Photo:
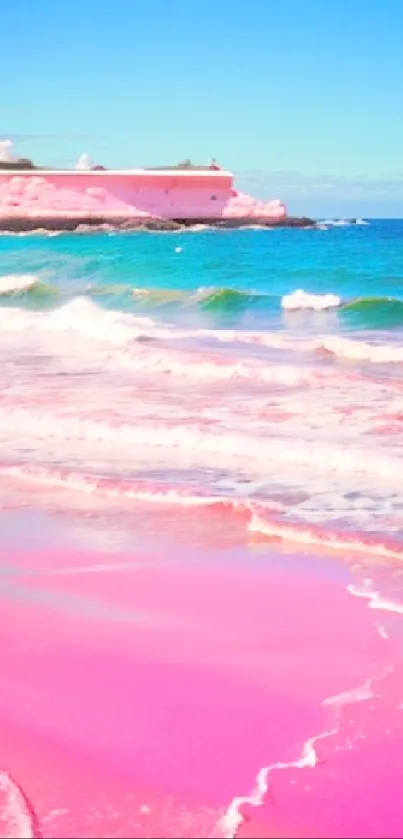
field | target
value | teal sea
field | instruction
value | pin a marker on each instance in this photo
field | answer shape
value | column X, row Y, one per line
column 230, row 277
column 253, row 373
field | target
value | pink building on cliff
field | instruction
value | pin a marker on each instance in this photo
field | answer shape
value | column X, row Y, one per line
column 91, row 194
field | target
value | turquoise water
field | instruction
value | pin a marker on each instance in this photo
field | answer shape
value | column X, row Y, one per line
column 257, row 266
column 167, row 370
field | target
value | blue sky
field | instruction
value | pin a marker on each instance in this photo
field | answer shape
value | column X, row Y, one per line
column 302, row 99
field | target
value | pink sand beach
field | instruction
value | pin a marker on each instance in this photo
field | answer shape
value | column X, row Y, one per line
column 200, row 541
column 149, row 693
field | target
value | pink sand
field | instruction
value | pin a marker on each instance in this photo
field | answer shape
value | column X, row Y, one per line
column 140, row 695
column 134, row 194
column 356, row 791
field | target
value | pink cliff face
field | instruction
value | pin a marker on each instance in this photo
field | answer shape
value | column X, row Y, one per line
column 133, row 195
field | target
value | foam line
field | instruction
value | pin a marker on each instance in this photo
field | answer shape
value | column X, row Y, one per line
column 17, row 811
column 376, row 601
column 233, row 818
column 312, row 535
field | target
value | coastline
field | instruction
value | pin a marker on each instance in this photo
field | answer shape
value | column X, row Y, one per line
column 101, row 224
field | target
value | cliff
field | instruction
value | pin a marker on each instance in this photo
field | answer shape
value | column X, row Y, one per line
column 156, row 199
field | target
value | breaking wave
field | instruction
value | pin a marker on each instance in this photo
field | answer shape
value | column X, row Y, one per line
column 380, row 312
column 111, row 327
column 362, row 312
column 359, row 313
column 316, row 302
column 374, row 312
column 25, row 285
column 214, row 299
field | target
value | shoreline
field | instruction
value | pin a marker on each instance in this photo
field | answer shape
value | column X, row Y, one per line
column 143, row 694
column 88, row 224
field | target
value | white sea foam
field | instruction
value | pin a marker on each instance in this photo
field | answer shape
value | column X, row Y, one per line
column 376, row 600
column 325, row 457
column 207, row 365
column 347, row 697
column 300, row 299
column 113, row 328
column 361, row 350
column 15, row 816
column 85, row 317
column 338, row 222
column 304, row 534
column 14, row 283
column 82, row 316
column 233, row 817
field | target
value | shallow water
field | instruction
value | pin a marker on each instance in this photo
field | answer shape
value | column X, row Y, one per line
column 164, row 368
column 170, row 410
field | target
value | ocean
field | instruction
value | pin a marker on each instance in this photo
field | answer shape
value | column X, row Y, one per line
column 201, row 531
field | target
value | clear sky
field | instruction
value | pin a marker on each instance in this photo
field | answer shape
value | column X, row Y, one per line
column 302, row 99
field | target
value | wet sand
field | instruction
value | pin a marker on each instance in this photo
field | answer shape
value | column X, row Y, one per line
column 143, row 693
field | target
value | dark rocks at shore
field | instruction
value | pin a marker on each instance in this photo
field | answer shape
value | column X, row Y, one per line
column 297, row 222
column 219, row 224
column 101, row 225
column 85, row 225
column 233, row 224
column 29, row 225
column 152, row 224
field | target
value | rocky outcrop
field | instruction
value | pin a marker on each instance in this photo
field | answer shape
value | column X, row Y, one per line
column 295, row 221
column 131, row 196
column 229, row 224
column 152, row 224
column 90, row 198
column 102, row 225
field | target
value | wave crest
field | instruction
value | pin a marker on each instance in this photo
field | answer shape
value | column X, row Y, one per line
column 114, row 328
column 210, row 298
column 374, row 312
column 19, row 285
column 300, row 299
